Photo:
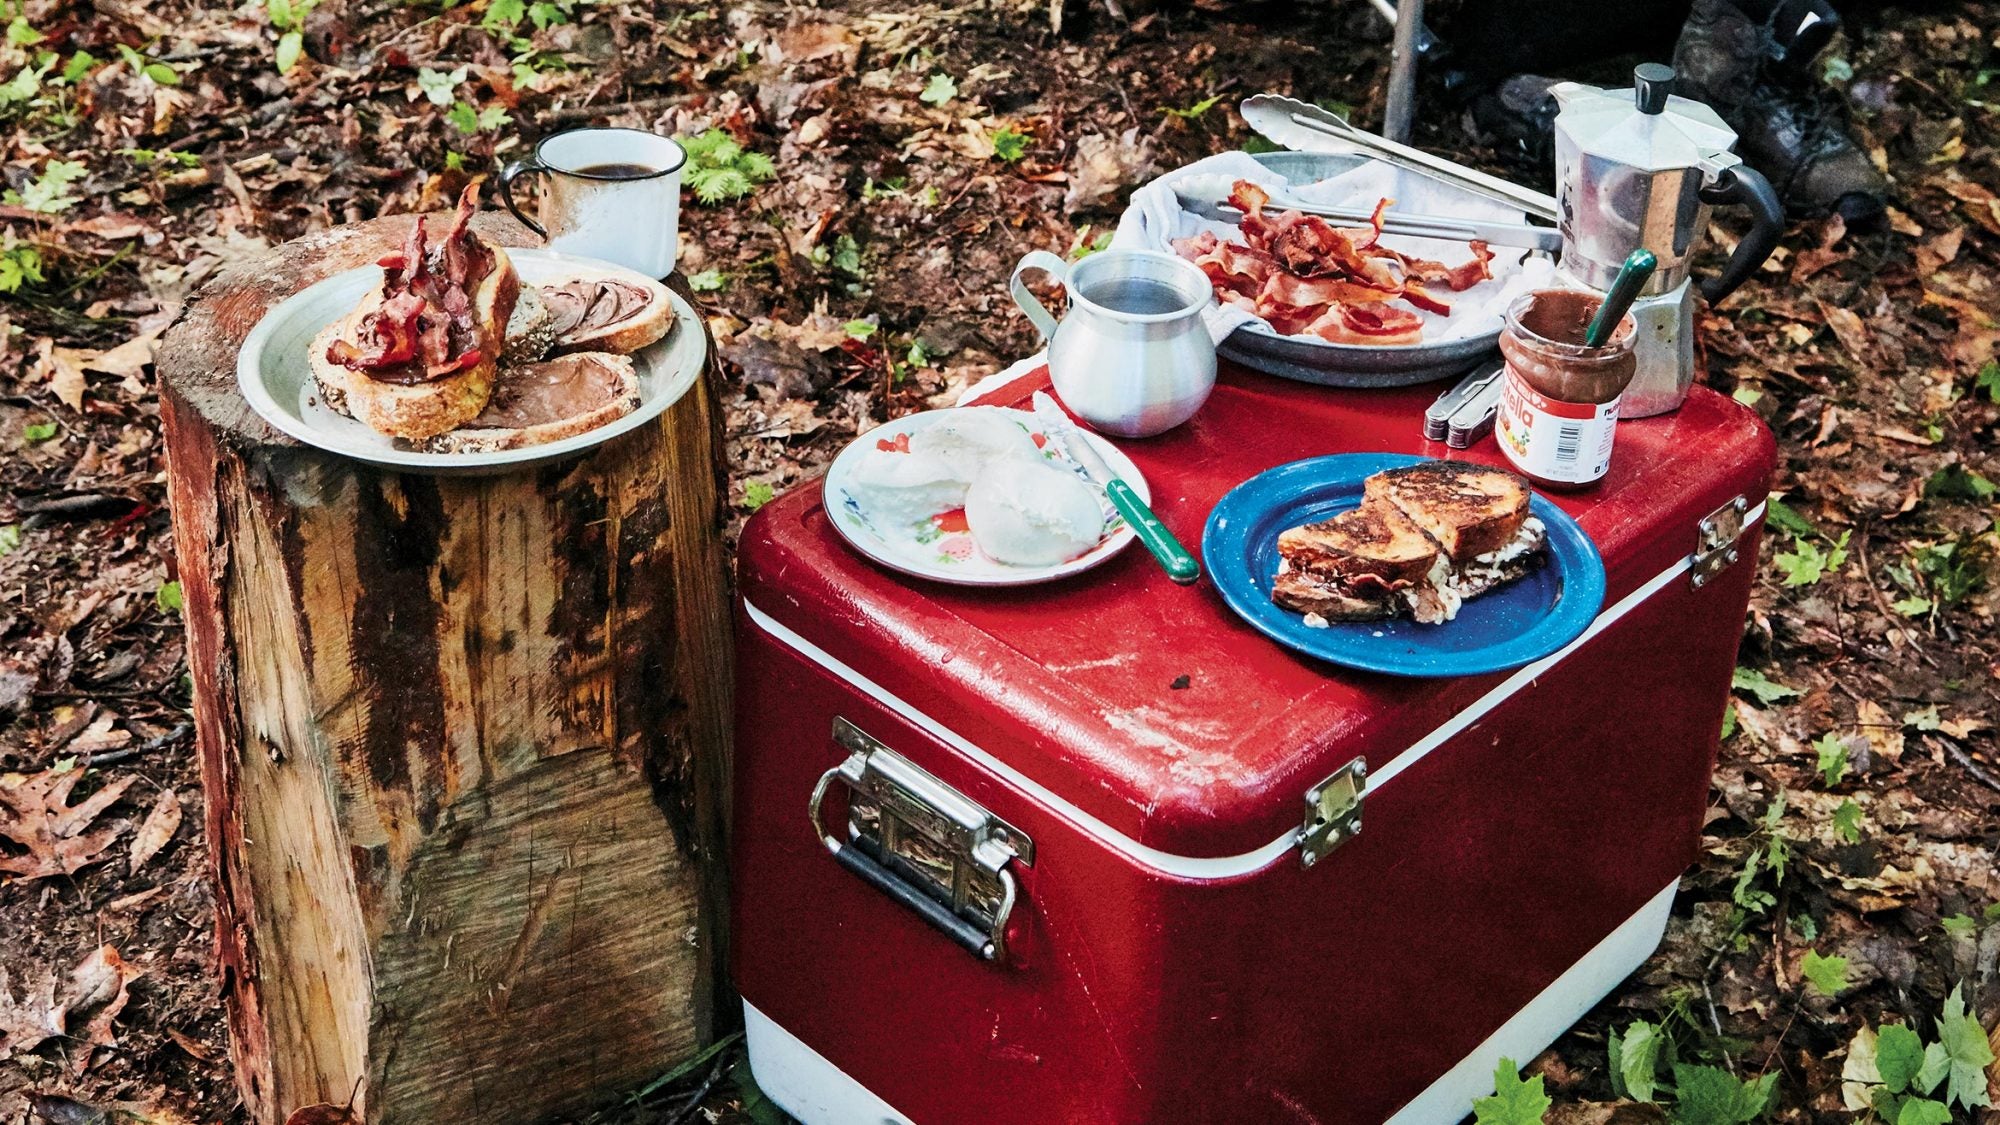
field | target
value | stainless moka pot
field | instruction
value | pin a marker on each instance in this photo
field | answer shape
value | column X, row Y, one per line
column 1640, row 168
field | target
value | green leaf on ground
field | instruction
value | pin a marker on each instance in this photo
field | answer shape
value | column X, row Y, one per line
column 1514, row 1102
column 859, row 329
column 1899, row 1055
column 10, row 538
column 757, row 493
column 1959, row 925
column 291, row 45
column 1988, row 380
column 1965, row 1045
column 1710, row 1095
column 168, row 597
column 1635, row 1061
column 1827, row 975
column 707, row 281
column 1787, row 517
column 1806, row 563
column 1009, row 145
column 36, row 433
column 939, row 90
column 1958, row 482
column 1922, row 1111
column 1764, row 689
column 1832, row 750
column 1847, row 821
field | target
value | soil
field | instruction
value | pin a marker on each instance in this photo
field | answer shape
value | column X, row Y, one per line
column 918, row 150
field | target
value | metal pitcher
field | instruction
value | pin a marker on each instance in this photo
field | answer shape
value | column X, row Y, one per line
column 1131, row 354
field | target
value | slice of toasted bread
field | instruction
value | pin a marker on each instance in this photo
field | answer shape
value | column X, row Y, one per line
column 605, row 309
column 1469, row 509
column 418, row 411
column 1374, row 539
column 548, row 400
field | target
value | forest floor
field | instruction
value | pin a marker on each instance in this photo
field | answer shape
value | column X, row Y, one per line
column 1849, row 880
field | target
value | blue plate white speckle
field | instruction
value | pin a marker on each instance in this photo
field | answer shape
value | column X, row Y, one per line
column 1514, row 625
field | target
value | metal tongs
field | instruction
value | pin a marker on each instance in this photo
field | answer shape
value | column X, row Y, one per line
column 1394, row 222
column 1298, row 125
column 1463, row 414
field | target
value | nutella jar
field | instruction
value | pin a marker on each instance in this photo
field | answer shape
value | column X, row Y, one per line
column 1559, row 399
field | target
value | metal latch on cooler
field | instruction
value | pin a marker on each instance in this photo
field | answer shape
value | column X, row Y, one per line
column 1715, row 548
column 923, row 843
column 1333, row 812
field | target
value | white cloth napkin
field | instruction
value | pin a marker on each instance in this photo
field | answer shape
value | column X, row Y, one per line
column 1155, row 217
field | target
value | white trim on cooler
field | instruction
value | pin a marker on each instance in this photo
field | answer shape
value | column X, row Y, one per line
column 1219, row 867
column 817, row 1092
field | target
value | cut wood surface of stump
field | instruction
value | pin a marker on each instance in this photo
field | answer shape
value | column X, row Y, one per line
column 463, row 740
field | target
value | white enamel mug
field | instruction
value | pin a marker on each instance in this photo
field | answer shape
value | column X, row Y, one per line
column 613, row 194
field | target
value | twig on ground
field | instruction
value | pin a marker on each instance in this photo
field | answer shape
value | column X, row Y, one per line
column 126, row 754
column 1964, row 759
column 723, row 1062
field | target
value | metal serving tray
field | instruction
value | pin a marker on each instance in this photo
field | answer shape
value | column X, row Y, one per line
column 1312, row 360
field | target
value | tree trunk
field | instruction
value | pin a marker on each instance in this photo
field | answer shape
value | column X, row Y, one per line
column 463, row 741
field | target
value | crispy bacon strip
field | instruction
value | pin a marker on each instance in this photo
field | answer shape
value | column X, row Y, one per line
column 424, row 328
column 1304, row 275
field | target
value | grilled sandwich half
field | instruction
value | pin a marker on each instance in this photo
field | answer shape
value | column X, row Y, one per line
column 1424, row 539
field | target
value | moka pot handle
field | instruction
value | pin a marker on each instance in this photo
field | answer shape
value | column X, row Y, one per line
column 1740, row 184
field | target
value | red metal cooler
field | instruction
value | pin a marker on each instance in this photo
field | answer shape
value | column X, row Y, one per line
column 1107, row 855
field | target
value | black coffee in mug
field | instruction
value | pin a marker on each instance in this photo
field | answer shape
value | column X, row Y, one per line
column 618, row 171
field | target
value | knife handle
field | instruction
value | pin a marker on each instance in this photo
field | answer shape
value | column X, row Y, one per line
column 1174, row 558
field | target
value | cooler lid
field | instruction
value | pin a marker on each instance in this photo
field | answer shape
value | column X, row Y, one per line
column 1149, row 713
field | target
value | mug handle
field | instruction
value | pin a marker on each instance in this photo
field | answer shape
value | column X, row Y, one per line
column 514, row 171
column 1037, row 313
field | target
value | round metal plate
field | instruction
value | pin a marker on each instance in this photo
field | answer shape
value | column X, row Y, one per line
column 277, row 382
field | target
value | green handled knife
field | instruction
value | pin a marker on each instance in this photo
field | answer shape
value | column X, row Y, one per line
column 1174, row 558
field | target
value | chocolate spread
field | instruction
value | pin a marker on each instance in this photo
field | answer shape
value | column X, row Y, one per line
column 593, row 303
column 536, row 394
column 1544, row 343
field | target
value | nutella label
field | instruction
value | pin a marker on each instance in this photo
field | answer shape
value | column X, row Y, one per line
column 1567, row 442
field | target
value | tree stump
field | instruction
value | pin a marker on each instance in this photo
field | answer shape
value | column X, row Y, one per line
column 463, row 742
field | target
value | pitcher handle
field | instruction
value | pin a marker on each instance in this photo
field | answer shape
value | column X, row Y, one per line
column 1038, row 313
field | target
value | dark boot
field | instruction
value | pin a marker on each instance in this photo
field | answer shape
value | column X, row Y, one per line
column 1790, row 128
column 1518, row 118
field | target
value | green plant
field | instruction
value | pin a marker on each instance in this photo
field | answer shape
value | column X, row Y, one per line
column 720, row 169
column 146, row 157
column 35, row 433
column 1761, row 687
column 1937, row 576
column 1988, row 380
column 1703, row 1095
column 1083, row 245
column 10, row 538
column 20, row 266
column 152, row 68
column 757, row 493
column 49, row 193
column 1901, row 1073
column 1770, row 852
column 1832, row 751
column 288, row 19
column 1826, row 975
column 1513, row 1102
column 1806, row 563
column 168, row 597
column 1008, row 145
column 1195, row 111
column 468, row 120
column 708, row 281
column 1847, row 821
column 939, row 90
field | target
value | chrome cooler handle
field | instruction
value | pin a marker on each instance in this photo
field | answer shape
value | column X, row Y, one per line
column 914, row 808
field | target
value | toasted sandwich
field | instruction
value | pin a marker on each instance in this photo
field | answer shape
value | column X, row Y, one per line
column 1355, row 566
column 1424, row 539
column 1477, row 514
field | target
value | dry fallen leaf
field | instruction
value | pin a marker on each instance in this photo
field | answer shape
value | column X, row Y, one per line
column 1884, row 735
column 26, row 1022
column 66, row 376
column 158, row 827
column 1848, row 329
column 35, row 813
column 98, row 984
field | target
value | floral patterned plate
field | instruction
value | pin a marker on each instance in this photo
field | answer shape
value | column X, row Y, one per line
column 940, row 548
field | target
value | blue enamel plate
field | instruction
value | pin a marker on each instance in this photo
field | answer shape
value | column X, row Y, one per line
column 1517, row 624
